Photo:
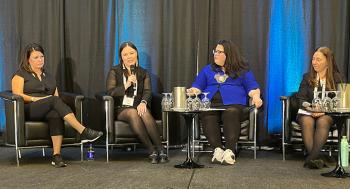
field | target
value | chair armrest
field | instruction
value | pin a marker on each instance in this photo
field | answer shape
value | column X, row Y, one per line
column 253, row 116
column 75, row 102
column 108, row 107
column 14, row 112
column 284, row 98
column 8, row 95
column 286, row 116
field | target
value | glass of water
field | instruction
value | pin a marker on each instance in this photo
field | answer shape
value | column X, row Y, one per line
column 205, row 101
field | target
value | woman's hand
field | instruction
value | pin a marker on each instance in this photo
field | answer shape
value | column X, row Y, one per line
column 193, row 91
column 34, row 99
column 141, row 109
column 131, row 79
column 316, row 115
column 255, row 95
column 256, row 100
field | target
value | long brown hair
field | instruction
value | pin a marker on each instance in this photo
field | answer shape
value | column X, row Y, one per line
column 234, row 63
column 332, row 73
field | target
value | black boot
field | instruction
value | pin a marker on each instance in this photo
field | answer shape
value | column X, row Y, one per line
column 163, row 157
column 90, row 135
column 314, row 164
column 154, row 157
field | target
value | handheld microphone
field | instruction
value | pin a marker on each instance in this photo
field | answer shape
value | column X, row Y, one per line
column 132, row 70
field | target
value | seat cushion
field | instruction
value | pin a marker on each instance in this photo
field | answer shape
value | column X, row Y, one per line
column 37, row 134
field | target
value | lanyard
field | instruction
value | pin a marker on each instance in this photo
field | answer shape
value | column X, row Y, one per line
column 323, row 84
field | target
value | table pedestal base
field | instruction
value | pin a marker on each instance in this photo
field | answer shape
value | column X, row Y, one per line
column 338, row 172
column 189, row 164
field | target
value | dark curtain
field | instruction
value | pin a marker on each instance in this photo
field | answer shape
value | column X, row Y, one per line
column 175, row 38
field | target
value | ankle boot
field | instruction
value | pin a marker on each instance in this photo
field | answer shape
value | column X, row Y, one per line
column 163, row 157
column 154, row 157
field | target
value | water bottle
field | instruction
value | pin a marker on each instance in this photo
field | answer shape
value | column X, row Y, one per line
column 90, row 155
column 344, row 145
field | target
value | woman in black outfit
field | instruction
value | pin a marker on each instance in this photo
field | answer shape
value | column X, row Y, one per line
column 39, row 91
column 323, row 75
column 130, row 85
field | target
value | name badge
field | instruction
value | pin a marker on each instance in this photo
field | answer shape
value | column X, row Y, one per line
column 128, row 101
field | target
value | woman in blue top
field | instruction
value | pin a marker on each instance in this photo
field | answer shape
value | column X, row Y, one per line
column 229, row 83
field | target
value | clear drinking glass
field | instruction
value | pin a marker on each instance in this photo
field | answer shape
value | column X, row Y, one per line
column 189, row 102
column 205, row 101
column 196, row 103
column 170, row 100
column 165, row 102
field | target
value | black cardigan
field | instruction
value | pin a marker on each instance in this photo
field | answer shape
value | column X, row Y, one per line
column 115, row 86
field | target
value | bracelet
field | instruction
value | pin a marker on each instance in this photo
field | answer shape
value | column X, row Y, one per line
column 32, row 99
column 144, row 101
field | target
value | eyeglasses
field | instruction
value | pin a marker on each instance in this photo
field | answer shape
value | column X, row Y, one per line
column 217, row 51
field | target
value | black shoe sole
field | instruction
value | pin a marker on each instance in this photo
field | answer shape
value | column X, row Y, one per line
column 58, row 166
column 91, row 140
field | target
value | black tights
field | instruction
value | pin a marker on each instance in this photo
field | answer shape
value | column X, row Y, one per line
column 231, row 119
column 315, row 133
column 144, row 127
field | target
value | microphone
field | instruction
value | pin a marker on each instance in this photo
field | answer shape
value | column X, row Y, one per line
column 132, row 70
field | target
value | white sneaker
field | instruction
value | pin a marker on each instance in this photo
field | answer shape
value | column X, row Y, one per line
column 217, row 156
column 228, row 157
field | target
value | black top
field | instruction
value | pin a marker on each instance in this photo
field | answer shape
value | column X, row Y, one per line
column 115, row 86
column 306, row 91
column 34, row 87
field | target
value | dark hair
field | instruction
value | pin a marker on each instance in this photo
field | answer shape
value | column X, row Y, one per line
column 122, row 46
column 332, row 74
column 24, row 64
column 235, row 64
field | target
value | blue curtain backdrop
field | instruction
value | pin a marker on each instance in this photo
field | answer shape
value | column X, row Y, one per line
column 287, row 55
column 2, row 112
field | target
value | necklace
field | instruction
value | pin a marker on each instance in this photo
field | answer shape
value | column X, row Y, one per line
column 220, row 78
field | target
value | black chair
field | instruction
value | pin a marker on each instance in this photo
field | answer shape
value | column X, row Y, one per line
column 119, row 133
column 291, row 130
column 247, row 136
column 23, row 134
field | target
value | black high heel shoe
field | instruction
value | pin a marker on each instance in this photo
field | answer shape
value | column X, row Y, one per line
column 154, row 157
column 163, row 157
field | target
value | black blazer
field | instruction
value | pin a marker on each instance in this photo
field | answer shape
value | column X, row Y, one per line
column 306, row 91
column 115, row 86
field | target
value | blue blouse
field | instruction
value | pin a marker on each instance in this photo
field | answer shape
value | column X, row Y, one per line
column 233, row 91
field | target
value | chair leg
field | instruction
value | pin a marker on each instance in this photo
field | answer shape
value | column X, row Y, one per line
column 167, row 135
column 18, row 155
column 255, row 130
column 283, row 151
column 81, row 152
column 107, row 152
column 43, row 150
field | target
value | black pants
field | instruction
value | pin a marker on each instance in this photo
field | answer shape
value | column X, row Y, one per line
column 52, row 110
column 231, row 119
